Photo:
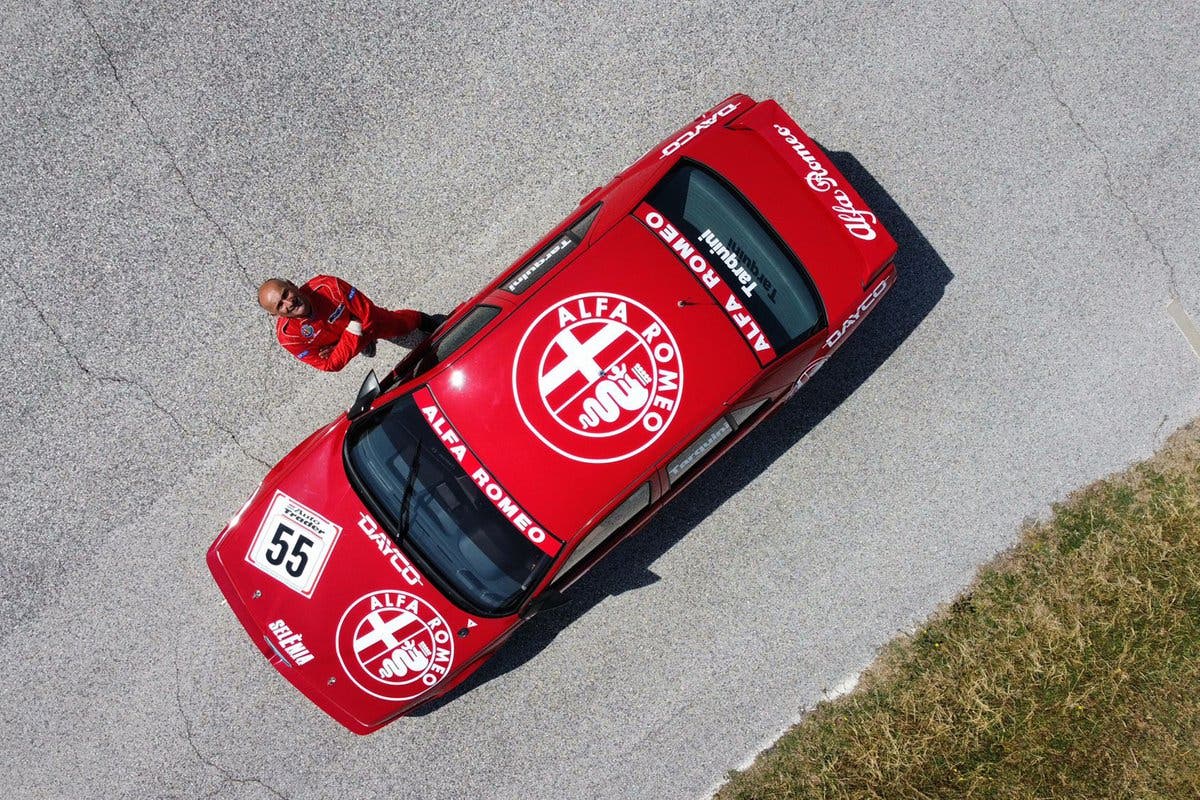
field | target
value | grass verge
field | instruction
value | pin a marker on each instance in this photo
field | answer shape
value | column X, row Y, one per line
column 1071, row 668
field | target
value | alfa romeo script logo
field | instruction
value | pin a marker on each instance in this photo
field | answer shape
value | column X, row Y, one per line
column 598, row 377
column 394, row 645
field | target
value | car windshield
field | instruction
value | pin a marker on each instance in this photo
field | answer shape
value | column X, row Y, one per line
column 749, row 256
column 434, row 510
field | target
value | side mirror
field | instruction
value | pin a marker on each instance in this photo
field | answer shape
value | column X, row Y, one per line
column 367, row 393
column 546, row 601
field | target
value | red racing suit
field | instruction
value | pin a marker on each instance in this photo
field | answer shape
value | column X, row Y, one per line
column 335, row 304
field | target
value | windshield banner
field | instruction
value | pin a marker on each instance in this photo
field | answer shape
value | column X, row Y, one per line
column 717, row 284
column 491, row 489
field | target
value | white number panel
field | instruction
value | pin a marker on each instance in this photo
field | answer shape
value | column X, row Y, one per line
column 292, row 544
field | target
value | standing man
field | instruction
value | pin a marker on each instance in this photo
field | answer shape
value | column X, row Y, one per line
column 326, row 322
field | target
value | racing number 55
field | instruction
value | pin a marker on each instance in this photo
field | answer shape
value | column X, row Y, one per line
column 281, row 548
column 292, row 544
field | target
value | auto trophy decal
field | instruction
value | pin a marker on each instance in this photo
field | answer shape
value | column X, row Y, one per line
column 293, row 544
column 394, row 645
column 597, row 377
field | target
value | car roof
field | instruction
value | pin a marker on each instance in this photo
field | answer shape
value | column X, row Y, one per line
column 520, row 414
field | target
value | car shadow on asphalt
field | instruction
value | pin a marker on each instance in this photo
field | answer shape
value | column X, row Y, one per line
column 922, row 280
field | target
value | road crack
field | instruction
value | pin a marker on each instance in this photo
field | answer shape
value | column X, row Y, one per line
column 234, row 438
column 211, row 763
column 108, row 379
column 99, row 377
column 1158, row 432
column 167, row 151
column 1056, row 92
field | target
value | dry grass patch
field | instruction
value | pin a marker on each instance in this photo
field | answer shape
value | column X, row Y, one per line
column 1070, row 669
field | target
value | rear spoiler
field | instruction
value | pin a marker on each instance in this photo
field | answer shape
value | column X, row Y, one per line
column 835, row 194
column 722, row 112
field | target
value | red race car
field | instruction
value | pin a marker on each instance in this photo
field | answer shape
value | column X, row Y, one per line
column 384, row 559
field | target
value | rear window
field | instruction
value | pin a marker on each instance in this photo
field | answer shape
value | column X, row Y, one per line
column 748, row 255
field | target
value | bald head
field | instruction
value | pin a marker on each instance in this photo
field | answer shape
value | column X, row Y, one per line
column 281, row 298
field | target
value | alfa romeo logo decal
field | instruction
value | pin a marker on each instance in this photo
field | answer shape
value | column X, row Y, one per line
column 394, row 645
column 598, row 377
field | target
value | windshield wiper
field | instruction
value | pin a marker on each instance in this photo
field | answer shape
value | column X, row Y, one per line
column 402, row 519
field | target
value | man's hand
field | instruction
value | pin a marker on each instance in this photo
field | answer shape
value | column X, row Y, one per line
column 354, row 328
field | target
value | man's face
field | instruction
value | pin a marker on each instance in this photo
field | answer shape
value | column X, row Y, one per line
column 285, row 299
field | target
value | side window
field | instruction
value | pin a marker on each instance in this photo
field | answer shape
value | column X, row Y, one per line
column 457, row 336
column 580, row 229
column 744, row 413
column 553, row 253
column 712, row 437
column 695, row 451
column 453, row 339
column 610, row 525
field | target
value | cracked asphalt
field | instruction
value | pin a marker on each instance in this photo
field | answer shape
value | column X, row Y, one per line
column 1037, row 163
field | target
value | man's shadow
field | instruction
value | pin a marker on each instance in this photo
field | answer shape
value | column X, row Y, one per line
column 922, row 279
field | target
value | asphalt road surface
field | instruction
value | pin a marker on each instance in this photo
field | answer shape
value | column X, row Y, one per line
column 1039, row 166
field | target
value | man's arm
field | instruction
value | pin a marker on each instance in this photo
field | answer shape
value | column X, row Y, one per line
column 331, row 360
column 382, row 323
column 358, row 304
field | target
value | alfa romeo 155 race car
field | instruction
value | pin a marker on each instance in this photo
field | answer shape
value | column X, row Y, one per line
column 383, row 560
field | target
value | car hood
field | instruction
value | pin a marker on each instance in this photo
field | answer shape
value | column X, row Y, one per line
column 331, row 601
